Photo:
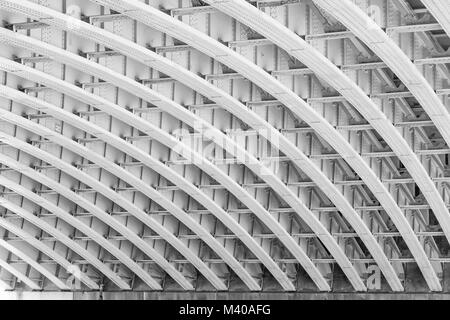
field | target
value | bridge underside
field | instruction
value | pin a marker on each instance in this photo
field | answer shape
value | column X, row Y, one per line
column 206, row 149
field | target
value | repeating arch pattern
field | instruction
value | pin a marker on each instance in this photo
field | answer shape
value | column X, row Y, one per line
column 162, row 22
column 5, row 224
column 92, row 33
column 349, row 210
column 325, row 69
column 30, row 261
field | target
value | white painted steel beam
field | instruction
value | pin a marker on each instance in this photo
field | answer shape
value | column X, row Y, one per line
column 35, row 265
column 46, row 204
column 326, row 70
column 132, row 180
column 19, row 275
column 131, row 86
column 158, row 20
column 62, row 238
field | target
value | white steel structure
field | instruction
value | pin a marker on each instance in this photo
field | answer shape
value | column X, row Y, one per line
column 225, row 145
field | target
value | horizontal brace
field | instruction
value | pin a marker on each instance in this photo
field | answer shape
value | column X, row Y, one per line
column 106, row 18
column 84, row 190
column 410, row 124
column 249, row 43
column 45, row 191
column 429, row 152
column 332, row 99
column 145, row 110
column 414, row 28
column 275, row 3
column 290, row 261
column 392, row 95
column 43, row 167
column 192, row 10
column 40, row 141
column 94, row 84
column 437, row 60
column 365, row 66
column 36, row 59
column 204, row 106
column 157, row 81
column 89, row 140
column 174, row 48
column 87, row 166
column 355, row 127
column 292, row 72
column 91, row 113
column 101, row 54
column 32, row 116
column 224, row 76
column 35, row 89
column 27, row 25
column 330, row 36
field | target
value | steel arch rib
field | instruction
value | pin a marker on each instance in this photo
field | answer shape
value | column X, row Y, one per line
column 149, row 100
column 70, row 195
column 143, row 92
column 60, row 85
column 19, row 275
column 208, row 238
column 379, row 42
column 164, row 138
column 106, row 218
column 23, row 146
column 440, row 9
column 293, row 246
column 326, row 70
column 319, row 229
column 125, row 176
column 66, row 241
column 44, row 203
column 400, row 228
column 164, row 23
column 35, row 265
column 5, row 224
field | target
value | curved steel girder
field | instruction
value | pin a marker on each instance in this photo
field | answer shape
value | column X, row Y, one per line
column 440, row 9
column 141, row 215
column 164, row 23
column 31, row 196
column 58, row 20
column 31, row 240
column 82, row 202
column 19, row 275
column 143, row 92
column 32, row 263
column 171, row 142
column 122, row 202
column 64, row 240
column 285, row 238
column 46, row 204
column 379, row 42
column 142, row 125
column 213, row 173
column 325, row 69
column 72, row 196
